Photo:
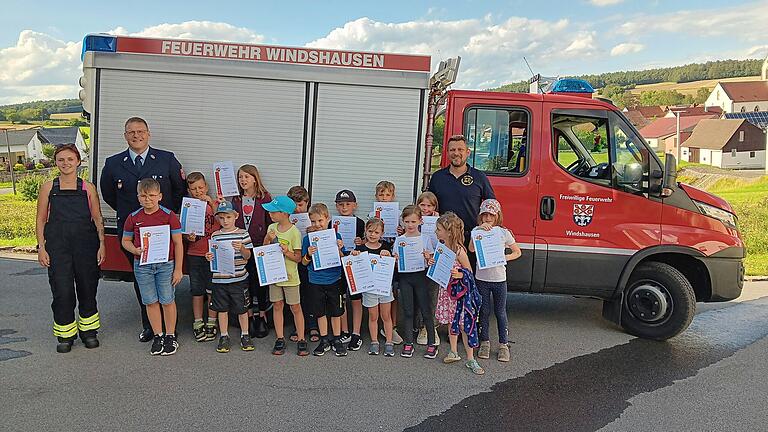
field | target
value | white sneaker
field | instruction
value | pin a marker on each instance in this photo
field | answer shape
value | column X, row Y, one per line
column 421, row 339
column 396, row 339
column 437, row 338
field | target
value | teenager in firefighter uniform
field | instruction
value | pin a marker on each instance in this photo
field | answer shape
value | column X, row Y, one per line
column 70, row 235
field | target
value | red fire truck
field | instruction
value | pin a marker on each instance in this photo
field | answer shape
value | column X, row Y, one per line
column 594, row 209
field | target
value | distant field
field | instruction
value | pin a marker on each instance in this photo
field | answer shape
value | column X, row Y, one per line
column 688, row 88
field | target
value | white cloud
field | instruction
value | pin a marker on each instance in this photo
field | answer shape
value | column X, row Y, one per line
column 601, row 3
column 626, row 48
column 205, row 30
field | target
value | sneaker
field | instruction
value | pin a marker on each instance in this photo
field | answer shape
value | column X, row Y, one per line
column 322, row 348
column 475, row 367
column 421, row 339
column 246, row 344
column 485, row 350
column 355, row 343
column 223, row 345
column 146, row 335
column 389, row 350
column 302, row 348
column 407, row 351
column 452, row 357
column 157, row 345
column 431, row 352
column 345, row 337
column 503, row 355
column 199, row 333
column 170, row 345
column 396, row 339
column 210, row 333
column 373, row 349
column 279, row 348
column 339, row 348
column 437, row 338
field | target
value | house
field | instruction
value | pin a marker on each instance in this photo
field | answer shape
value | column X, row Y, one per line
column 661, row 134
column 741, row 96
column 695, row 110
column 55, row 137
column 18, row 141
column 726, row 143
column 642, row 116
column 757, row 118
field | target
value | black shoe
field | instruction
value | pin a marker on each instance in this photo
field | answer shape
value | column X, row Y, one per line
column 157, row 345
column 64, row 347
column 355, row 343
column 199, row 333
column 345, row 337
column 223, row 345
column 302, row 348
column 322, row 348
column 339, row 348
column 170, row 345
column 91, row 342
column 210, row 333
column 146, row 335
column 279, row 348
column 246, row 344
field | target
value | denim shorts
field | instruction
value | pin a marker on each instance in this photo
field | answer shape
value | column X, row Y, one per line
column 155, row 282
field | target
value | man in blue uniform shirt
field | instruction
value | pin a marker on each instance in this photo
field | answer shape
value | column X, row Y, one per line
column 122, row 173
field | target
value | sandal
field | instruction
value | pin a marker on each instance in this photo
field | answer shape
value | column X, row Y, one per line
column 474, row 366
column 314, row 335
column 293, row 337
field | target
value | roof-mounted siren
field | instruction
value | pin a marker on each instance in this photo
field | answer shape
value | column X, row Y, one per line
column 446, row 74
column 87, row 91
column 538, row 84
column 572, row 87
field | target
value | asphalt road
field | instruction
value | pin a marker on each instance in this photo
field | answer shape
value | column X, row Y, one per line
column 571, row 371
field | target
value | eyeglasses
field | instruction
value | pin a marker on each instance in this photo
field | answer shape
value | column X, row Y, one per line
column 139, row 133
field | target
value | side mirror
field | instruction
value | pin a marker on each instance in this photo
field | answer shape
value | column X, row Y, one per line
column 670, row 175
column 633, row 174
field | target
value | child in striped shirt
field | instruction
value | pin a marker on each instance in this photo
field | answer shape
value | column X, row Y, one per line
column 230, row 292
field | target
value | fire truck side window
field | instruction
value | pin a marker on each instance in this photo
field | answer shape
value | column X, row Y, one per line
column 630, row 158
column 497, row 138
column 581, row 146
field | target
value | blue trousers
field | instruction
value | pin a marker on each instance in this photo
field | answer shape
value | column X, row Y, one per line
column 497, row 290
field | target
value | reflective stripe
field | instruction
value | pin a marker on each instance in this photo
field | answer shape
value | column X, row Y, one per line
column 90, row 323
column 67, row 330
column 579, row 249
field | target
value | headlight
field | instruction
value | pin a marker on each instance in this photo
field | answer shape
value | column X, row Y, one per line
column 728, row 218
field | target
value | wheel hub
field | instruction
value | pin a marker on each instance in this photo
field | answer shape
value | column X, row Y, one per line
column 648, row 302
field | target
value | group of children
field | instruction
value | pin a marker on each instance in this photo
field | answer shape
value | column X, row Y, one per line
column 317, row 297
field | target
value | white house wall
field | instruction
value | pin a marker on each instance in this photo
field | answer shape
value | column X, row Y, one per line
column 743, row 161
column 717, row 158
column 723, row 101
column 750, row 106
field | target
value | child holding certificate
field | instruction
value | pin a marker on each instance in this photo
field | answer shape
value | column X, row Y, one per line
column 427, row 203
column 450, row 231
column 377, row 304
column 325, row 284
column 156, row 281
column 300, row 196
column 197, row 266
column 492, row 282
column 385, row 192
column 289, row 238
column 413, row 283
column 230, row 292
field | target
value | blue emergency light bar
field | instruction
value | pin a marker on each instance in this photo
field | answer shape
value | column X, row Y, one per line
column 571, row 85
column 97, row 42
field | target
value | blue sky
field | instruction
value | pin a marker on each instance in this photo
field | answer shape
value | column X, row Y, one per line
column 39, row 45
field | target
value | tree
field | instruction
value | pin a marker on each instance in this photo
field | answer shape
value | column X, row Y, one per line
column 12, row 116
column 48, row 150
column 701, row 95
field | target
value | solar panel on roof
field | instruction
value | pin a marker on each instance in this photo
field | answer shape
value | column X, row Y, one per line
column 757, row 118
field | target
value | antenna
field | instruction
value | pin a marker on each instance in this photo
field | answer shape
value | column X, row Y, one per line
column 529, row 66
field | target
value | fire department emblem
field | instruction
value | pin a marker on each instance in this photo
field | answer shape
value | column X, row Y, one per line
column 582, row 214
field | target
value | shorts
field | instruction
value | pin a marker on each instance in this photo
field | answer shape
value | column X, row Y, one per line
column 231, row 297
column 154, row 282
column 288, row 293
column 346, row 291
column 373, row 300
column 327, row 299
column 200, row 277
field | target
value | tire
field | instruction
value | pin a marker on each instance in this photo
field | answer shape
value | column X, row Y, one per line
column 658, row 302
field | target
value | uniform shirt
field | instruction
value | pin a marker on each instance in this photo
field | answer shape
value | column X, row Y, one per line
column 498, row 273
column 199, row 247
column 461, row 195
column 140, row 218
column 320, row 277
column 241, row 273
column 292, row 239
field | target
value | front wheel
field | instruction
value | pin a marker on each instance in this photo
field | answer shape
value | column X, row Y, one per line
column 658, row 303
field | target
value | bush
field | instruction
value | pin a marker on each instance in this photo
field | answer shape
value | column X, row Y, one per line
column 29, row 165
column 22, row 224
column 46, row 163
column 29, row 186
column 49, row 150
column 39, row 165
column 19, row 167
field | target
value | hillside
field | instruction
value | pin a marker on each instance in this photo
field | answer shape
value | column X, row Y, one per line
column 688, row 88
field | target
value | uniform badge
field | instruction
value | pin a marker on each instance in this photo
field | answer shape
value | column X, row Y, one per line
column 582, row 214
column 467, row 180
column 119, row 184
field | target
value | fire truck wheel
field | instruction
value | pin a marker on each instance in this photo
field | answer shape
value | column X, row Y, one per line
column 659, row 302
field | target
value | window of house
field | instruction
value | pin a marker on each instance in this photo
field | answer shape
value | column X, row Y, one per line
column 498, row 139
column 757, row 108
column 751, row 155
column 741, row 136
column 743, row 109
column 733, row 153
column 718, row 95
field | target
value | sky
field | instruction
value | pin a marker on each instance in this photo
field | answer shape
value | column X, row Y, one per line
column 41, row 41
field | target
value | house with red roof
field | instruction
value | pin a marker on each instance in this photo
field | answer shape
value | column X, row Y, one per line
column 726, row 143
column 642, row 116
column 661, row 134
column 741, row 96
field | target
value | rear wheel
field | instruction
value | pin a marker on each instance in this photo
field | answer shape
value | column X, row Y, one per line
column 659, row 302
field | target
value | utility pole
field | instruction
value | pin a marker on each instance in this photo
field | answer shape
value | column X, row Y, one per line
column 10, row 160
column 677, row 135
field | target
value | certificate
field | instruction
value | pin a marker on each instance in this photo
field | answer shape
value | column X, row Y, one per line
column 192, row 216
column 489, row 247
column 389, row 212
column 359, row 274
column 223, row 261
column 428, row 225
column 327, row 255
column 301, row 221
column 270, row 264
column 383, row 270
column 410, row 254
column 155, row 243
column 440, row 271
column 225, row 179
column 346, row 226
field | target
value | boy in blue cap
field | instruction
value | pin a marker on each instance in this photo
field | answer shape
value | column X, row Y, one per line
column 289, row 238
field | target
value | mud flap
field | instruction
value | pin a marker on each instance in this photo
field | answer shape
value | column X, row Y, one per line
column 612, row 309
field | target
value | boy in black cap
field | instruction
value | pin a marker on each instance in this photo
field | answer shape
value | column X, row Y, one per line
column 346, row 205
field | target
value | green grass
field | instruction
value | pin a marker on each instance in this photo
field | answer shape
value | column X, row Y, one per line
column 566, row 157
column 18, row 219
column 17, row 242
column 6, row 185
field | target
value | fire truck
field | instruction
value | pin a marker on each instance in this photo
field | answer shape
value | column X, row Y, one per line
column 595, row 210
